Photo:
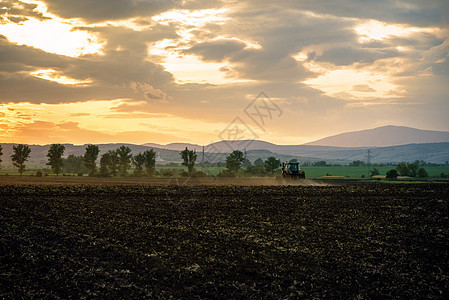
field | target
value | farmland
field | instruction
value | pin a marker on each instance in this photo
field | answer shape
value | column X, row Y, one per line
column 311, row 171
column 117, row 239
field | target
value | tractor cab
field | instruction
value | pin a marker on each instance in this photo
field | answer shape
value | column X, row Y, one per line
column 291, row 170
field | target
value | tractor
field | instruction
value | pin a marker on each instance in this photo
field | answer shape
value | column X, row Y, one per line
column 290, row 172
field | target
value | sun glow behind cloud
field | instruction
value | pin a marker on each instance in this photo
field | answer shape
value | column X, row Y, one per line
column 376, row 30
column 362, row 82
column 54, row 35
column 353, row 84
column 190, row 68
column 52, row 75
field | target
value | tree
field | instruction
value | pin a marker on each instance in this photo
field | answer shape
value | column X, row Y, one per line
column 90, row 158
column 402, row 169
column 255, row 170
column 271, row 164
column 139, row 162
column 124, row 159
column 105, row 162
column 357, row 163
column 20, row 156
column 422, row 173
column 74, row 164
column 234, row 161
column 113, row 162
column 189, row 159
column 246, row 163
column 392, row 174
column 374, row 172
column 320, row 163
column 150, row 162
column 259, row 162
column 412, row 169
column 55, row 160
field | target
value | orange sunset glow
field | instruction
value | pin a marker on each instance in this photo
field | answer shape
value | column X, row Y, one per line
column 182, row 71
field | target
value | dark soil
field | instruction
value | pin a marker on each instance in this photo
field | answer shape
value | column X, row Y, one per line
column 349, row 241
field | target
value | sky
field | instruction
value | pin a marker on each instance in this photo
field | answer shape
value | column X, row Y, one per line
column 200, row 71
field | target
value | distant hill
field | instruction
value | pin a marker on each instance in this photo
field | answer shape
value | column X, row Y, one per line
column 387, row 144
column 175, row 146
column 383, row 137
column 430, row 152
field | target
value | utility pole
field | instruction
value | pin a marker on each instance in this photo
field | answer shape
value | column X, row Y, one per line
column 368, row 157
column 202, row 160
column 368, row 160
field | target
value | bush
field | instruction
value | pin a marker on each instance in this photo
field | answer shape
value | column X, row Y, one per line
column 168, row 172
column 422, row 173
column 38, row 174
column 374, row 172
column 80, row 174
column 392, row 174
column 184, row 174
column 226, row 173
column 199, row 174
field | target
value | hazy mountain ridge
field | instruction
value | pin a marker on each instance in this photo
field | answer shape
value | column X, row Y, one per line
column 437, row 152
column 384, row 136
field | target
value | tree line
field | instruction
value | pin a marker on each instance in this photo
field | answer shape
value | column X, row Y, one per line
column 112, row 163
column 119, row 161
column 409, row 170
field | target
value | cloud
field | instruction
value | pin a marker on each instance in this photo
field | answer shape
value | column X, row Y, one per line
column 79, row 114
column 110, row 74
column 216, row 50
column 149, row 91
column 280, row 47
column 347, row 55
column 17, row 11
column 103, row 10
column 363, row 88
column 15, row 58
column 416, row 12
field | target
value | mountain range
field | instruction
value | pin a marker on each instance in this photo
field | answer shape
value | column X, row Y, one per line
column 384, row 144
column 384, row 136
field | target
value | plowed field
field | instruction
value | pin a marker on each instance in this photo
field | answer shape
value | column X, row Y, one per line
column 347, row 241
